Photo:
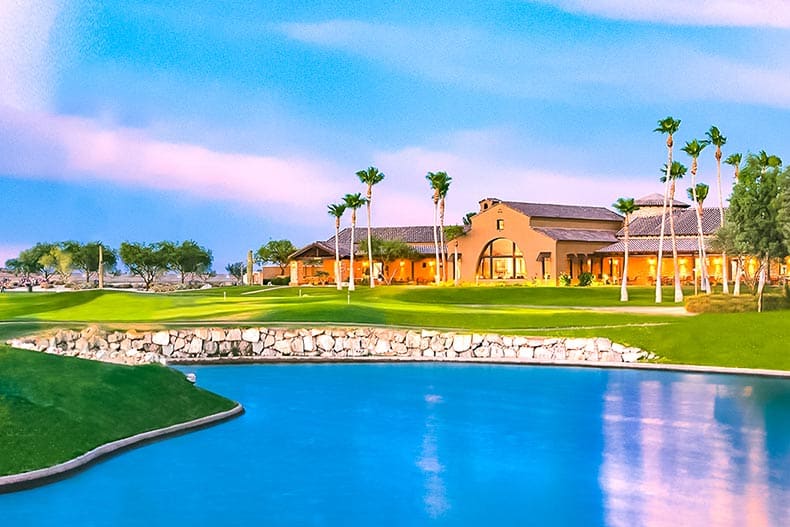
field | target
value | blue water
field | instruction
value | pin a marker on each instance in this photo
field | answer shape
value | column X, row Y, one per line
column 431, row 444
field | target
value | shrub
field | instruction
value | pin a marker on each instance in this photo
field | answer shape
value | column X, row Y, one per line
column 734, row 304
column 280, row 280
column 565, row 279
column 585, row 279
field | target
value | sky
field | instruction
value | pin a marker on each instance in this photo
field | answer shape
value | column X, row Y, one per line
column 233, row 123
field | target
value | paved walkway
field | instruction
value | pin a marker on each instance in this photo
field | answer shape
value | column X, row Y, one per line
column 674, row 311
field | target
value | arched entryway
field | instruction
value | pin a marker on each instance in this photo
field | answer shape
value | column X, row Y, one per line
column 501, row 259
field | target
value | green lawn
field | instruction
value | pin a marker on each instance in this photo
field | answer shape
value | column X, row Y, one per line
column 740, row 340
column 55, row 408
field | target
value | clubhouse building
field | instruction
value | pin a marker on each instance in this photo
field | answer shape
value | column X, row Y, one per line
column 533, row 243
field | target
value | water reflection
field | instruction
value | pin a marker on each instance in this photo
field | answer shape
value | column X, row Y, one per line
column 435, row 498
column 693, row 449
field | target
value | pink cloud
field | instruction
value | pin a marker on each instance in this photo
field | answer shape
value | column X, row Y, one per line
column 480, row 173
column 734, row 13
column 63, row 148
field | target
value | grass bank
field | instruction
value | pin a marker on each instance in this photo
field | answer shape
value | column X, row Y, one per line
column 53, row 408
column 729, row 339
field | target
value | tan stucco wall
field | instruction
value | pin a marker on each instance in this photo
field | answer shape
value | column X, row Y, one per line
column 420, row 271
column 516, row 228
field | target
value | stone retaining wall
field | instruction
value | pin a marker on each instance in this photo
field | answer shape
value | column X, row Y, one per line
column 258, row 343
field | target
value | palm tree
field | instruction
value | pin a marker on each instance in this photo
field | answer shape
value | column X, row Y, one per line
column 694, row 148
column 337, row 210
column 677, row 171
column 370, row 177
column 435, row 180
column 735, row 161
column 765, row 161
column 626, row 207
column 665, row 126
column 353, row 202
column 697, row 194
column 444, row 187
column 716, row 139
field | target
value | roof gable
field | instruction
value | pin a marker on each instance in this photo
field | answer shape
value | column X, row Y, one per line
column 569, row 212
column 657, row 200
column 413, row 234
column 685, row 223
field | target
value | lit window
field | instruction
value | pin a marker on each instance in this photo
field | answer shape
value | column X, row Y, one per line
column 500, row 225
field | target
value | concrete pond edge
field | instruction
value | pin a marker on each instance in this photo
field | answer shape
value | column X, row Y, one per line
column 38, row 477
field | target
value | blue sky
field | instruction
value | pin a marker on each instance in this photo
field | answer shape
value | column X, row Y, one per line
column 233, row 123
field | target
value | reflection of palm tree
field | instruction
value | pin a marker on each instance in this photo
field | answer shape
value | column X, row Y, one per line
column 697, row 194
column 626, row 207
column 735, row 161
column 337, row 210
column 353, row 202
column 677, row 171
column 716, row 139
column 370, row 177
column 694, row 148
column 665, row 126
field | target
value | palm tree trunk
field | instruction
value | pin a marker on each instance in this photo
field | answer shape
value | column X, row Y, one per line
column 678, row 288
column 624, row 284
column 701, row 255
column 761, row 282
column 704, row 252
column 436, row 239
column 370, row 244
column 101, row 268
column 725, row 271
column 441, row 237
column 338, row 278
column 661, row 235
column 351, row 286
column 736, row 289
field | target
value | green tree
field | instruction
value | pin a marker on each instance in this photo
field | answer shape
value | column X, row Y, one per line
column 668, row 126
column 755, row 213
column 718, row 140
column 85, row 257
column 353, row 202
column 697, row 195
column 188, row 258
column 677, row 171
column 467, row 219
column 25, row 265
column 29, row 262
column 149, row 261
column 58, row 261
column 389, row 251
column 336, row 210
column 451, row 232
column 277, row 252
column 370, row 177
column 236, row 270
column 626, row 207
column 694, row 148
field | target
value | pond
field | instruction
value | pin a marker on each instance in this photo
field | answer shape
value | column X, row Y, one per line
column 450, row 444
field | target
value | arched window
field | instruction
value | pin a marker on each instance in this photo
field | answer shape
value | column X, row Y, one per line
column 501, row 259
